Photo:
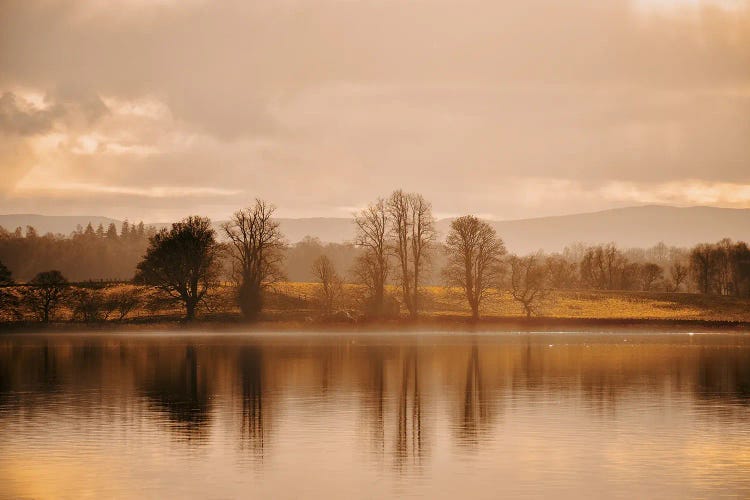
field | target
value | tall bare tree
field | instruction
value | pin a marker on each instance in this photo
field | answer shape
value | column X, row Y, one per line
column 649, row 273
column 372, row 266
column 724, row 277
column 474, row 259
column 257, row 248
column 412, row 234
column 678, row 271
column 331, row 285
column 182, row 262
column 529, row 281
column 603, row 267
column 703, row 266
column 562, row 273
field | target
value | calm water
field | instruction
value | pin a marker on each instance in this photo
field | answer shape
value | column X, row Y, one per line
column 297, row 416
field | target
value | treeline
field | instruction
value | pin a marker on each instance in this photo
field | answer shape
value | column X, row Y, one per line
column 101, row 253
column 111, row 253
column 396, row 252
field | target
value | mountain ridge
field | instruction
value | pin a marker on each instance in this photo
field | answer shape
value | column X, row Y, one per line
column 637, row 226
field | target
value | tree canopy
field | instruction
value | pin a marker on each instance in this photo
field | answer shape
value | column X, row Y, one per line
column 182, row 261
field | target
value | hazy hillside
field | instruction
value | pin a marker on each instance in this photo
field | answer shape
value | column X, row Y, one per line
column 634, row 226
column 628, row 227
column 63, row 224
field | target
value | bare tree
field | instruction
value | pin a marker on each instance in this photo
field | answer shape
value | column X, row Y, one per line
column 592, row 268
column 659, row 253
column 123, row 300
column 724, row 279
column 88, row 305
column 44, row 294
column 649, row 273
column 603, row 267
column 529, row 281
column 258, row 251
column 331, row 285
column 563, row 274
column 678, row 271
column 182, row 262
column 412, row 235
column 740, row 264
column 372, row 266
column 614, row 264
column 722, row 267
column 474, row 259
column 703, row 266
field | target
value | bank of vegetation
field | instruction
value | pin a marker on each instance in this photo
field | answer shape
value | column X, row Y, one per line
column 396, row 268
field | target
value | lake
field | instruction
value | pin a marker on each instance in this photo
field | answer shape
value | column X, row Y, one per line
column 540, row 415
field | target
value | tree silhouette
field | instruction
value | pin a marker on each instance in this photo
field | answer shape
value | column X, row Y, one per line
column 111, row 231
column 474, row 252
column 372, row 267
column 257, row 247
column 529, row 281
column 330, row 282
column 182, row 262
column 703, row 266
column 412, row 235
column 649, row 274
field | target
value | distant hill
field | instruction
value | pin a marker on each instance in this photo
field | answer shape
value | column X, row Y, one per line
column 628, row 227
column 56, row 224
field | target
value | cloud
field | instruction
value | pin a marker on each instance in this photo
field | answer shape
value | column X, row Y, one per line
column 18, row 117
column 76, row 108
column 319, row 104
column 687, row 192
column 150, row 192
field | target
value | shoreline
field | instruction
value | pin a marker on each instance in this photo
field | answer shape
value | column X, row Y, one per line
column 442, row 324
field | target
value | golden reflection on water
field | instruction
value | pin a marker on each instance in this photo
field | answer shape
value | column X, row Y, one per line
column 342, row 416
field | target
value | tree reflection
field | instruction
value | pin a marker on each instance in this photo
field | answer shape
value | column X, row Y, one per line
column 250, row 367
column 374, row 395
column 722, row 373
column 177, row 388
column 475, row 417
column 393, row 384
column 409, row 447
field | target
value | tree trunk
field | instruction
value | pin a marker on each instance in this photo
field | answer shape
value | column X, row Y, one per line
column 413, row 309
column 475, row 311
column 250, row 300
column 378, row 299
column 189, row 310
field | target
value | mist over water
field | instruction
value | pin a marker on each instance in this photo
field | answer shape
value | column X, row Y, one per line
column 287, row 416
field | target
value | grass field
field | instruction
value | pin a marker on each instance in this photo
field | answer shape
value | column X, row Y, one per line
column 439, row 301
column 298, row 302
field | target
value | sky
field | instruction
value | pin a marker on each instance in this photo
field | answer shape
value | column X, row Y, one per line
column 155, row 110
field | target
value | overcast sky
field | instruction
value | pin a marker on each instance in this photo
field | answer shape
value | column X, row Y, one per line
column 157, row 109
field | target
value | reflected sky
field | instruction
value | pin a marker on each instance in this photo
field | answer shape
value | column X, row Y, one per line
column 538, row 415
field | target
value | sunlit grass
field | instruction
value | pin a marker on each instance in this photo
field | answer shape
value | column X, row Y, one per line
column 299, row 301
column 437, row 300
